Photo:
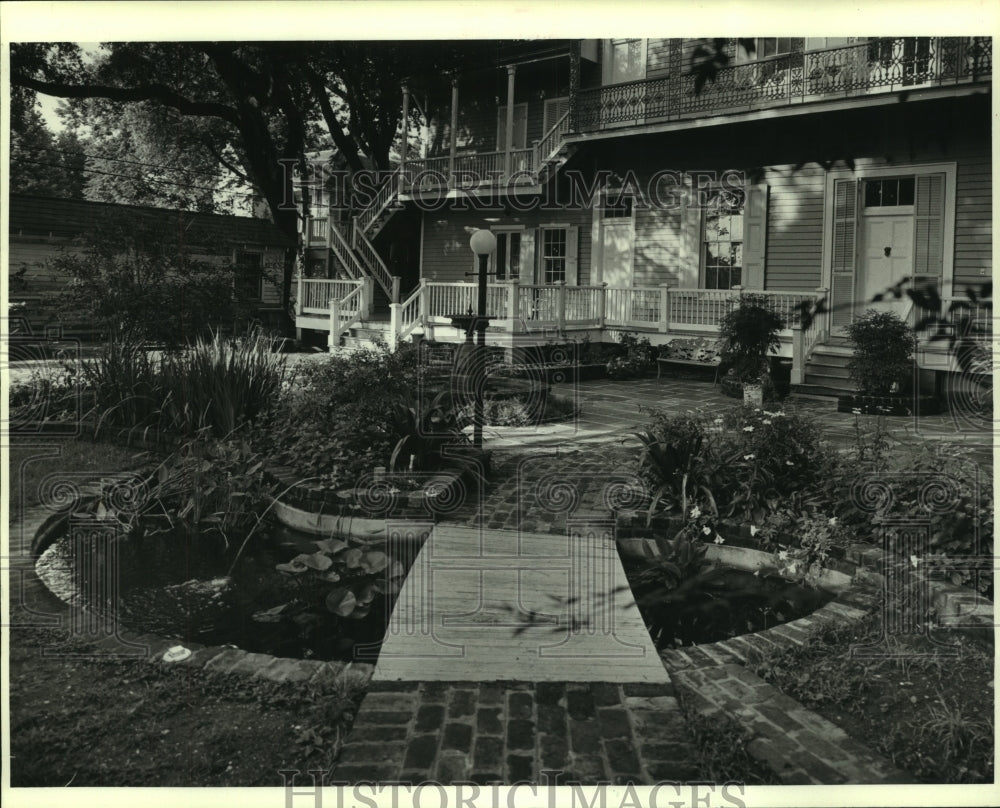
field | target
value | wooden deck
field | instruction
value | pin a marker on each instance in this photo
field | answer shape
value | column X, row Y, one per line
column 488, row 605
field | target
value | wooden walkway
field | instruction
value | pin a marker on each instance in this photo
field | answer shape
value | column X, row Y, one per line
column 496, row 605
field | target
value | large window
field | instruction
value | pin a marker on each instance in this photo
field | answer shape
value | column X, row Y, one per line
column 554, row 255
column 249, row 275
column 626, row 60
column 722, row 240
column 508, row 255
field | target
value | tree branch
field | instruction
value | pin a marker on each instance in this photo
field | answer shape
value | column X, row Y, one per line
column 225, row 163
column 147, row 92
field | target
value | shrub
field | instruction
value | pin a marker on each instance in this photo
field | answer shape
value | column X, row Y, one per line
column 883, row 353
column 639, row 358
column 340, row 420
column 133, row 276
column 750, row 332
column 744, row 462
column 125, row 383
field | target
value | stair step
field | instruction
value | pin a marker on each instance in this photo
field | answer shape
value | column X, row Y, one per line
column 833, row 350
column 833, row 371
column 816, row 391
column 840, row 385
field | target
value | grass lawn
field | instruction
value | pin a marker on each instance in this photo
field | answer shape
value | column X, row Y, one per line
column 35, row 465
column 101, row 721
column 929, row 708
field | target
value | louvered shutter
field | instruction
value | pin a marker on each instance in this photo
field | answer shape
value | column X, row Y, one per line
column 554, row 109
column 845, row 227
column 572, row 241
column 754, row 236
column 527, row 276
column 928, row 227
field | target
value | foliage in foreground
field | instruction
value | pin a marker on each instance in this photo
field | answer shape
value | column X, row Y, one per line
column 928, row 706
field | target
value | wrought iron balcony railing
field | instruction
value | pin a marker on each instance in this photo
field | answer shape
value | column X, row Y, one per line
column 875, row 66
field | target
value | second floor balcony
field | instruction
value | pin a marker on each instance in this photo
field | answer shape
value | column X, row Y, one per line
column 801, row 75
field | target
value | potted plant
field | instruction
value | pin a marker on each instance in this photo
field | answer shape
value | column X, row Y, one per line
column 750, row 333
column 881, row 367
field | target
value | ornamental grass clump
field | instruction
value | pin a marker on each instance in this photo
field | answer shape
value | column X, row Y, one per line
column 222, row 383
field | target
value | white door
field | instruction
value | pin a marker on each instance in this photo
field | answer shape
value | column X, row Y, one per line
column 616, row 252
column 886, row 258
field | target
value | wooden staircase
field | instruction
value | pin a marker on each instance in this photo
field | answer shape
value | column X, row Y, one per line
column 826, row 371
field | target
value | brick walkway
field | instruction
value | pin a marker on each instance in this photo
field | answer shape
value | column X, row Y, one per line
column 508, row 732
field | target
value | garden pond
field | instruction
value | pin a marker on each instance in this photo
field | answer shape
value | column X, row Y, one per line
column 293, row 595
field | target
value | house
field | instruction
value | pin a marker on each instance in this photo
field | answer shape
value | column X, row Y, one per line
column 43, row 228
column 623, row 195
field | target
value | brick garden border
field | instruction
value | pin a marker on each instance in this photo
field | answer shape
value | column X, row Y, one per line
column 799, row 745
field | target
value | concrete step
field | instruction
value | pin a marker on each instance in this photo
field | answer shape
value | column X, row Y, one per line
column 833, row 350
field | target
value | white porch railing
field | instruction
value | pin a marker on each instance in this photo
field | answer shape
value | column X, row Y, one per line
column 318, row 292
column 344, row 313
column 551, row 141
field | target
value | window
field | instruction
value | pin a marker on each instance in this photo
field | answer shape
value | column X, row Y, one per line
column 617, row 207
column 815, row 43
column 626, row 60
column 722, row 242
column 768, row 47
column 553, row 255
column 889, row 193
column 249, row 275
column 508, row 255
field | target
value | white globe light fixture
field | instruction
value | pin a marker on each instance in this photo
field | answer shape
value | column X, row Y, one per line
column 483, row 242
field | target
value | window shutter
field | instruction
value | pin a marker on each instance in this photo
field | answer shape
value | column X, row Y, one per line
column 527, row 276
column 754, row 236
column 554, row 109
column 572, row 242
column 845, row 225
column 928, row 226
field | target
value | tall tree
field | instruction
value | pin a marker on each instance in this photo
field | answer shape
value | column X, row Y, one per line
column 261, row 97
column 42, row 163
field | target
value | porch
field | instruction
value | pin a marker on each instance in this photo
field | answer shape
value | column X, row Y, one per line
column 801, row 75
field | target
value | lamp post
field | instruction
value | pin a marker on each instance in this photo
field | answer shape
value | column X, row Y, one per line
column 483, row 243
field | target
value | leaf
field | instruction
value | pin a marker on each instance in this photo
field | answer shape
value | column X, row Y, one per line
column 352, row 558
column 331, row 545
column 270, row 615
column 341, row 601
column 294, row 566
column 375, row 561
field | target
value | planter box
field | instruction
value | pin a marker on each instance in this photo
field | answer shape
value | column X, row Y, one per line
column 890, row 405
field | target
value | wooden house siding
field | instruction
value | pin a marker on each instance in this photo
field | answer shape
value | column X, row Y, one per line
column 446, row 253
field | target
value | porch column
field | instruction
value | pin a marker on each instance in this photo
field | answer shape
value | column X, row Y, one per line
column 333, row 342
column 574, row 82
column 423, row 304
column 798, row 355
column 406, row 136
column 602, row 306
column 664, row 308
column 395, row 288
column 395, row 324
column 454, row 130
column 300, row 277
column 561, row 306
column 513, row 293
column 823, row 293
column 510, row 119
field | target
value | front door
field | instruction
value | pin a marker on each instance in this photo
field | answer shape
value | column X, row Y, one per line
column 886, row 258
column 616, row 252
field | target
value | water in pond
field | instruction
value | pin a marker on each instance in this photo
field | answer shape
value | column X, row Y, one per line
column 718, row 603
column 177, row 587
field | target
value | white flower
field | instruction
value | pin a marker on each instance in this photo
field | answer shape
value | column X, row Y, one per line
column 914, row 560
column 748, row 429
column 756, row 574
column 754, row 530
column 717, row 421
column 789, row 463
column 832, row 521
column 793, row 567
column 749, row 457
column 856, row 411
column 783, row 555
column 707, row 530
column 766, row 421
column 719, row 539
column 695, row 512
